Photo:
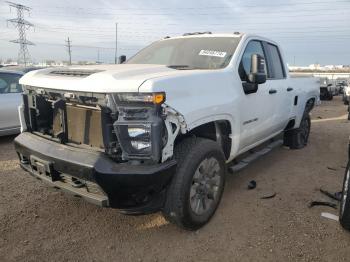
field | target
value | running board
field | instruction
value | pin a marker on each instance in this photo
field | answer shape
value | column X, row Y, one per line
column 254, row 155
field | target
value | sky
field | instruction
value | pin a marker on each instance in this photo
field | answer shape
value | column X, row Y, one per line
column 315, row 31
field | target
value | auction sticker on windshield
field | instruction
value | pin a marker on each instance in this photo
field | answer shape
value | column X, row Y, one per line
column 212, row 53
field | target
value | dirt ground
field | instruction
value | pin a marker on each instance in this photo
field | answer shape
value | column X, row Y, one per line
column 40, row 224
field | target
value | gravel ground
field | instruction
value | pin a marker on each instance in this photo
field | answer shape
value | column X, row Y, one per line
column 40, row 224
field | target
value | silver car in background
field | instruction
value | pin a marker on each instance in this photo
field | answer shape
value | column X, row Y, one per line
column 10, row 99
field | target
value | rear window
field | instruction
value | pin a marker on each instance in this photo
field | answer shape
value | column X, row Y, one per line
column 276, row 66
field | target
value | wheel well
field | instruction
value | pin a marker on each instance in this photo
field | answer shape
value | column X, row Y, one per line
column 218, row 131
column 310, row 104
column 308, row 107
column 290, row 124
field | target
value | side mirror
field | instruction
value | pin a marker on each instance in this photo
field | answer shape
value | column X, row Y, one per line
column 257, row 71
column 122, row 59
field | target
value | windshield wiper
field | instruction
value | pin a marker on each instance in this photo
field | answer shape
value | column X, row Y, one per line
column 180, row 67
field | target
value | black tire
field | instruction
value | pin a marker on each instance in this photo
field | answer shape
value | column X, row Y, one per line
column 330, row 97
column 344, row 214
column 298, row 138
column 190, row 154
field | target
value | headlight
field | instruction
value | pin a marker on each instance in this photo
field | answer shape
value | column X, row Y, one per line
column 140, row 138
column 137, row 140
column 140, row 127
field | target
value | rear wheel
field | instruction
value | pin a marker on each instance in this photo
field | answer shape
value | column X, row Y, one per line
column 298, row 138
column 196, row 189
column 344, row 214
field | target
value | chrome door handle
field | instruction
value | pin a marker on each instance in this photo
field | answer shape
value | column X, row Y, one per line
column 289, row 89
column 272, row 91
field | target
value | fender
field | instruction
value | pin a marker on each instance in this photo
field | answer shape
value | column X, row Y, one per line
column 235, row 129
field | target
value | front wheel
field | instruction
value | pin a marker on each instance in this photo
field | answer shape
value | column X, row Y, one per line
column 344, row 214
column 196, row 189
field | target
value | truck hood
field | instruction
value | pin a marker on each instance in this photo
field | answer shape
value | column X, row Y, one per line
column 98, row 78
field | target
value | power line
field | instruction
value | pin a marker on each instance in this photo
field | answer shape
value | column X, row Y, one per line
column 262, row 12
column 200, row 7
column 22, row 25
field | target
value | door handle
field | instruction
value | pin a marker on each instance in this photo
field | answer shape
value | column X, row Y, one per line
column 272, row 91
column 289, row 89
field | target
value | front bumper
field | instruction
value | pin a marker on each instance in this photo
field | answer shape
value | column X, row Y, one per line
column 94, row 176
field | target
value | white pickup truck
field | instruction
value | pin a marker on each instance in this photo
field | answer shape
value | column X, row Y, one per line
column 158, row 132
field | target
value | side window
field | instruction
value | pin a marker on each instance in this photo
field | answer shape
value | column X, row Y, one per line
column 9, row 83
column 3, row 85
column 253, row 47
column 276, row 66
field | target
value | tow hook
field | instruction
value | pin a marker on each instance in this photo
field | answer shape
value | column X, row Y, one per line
column 77, row 183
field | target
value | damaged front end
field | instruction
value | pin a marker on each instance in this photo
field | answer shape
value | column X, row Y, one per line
column 113, row 142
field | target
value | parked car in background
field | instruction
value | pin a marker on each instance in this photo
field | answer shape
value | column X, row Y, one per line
column 340, row 84
column 11, row 98
column 346, row 94
column 326, row 93
column 344, row 214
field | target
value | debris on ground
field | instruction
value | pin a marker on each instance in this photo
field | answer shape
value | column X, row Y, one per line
column 331, row 168
column 329, row 216
column 322, row 203
column 336, row 196
column 268, row 195
column 252, row 184
column 319, row 117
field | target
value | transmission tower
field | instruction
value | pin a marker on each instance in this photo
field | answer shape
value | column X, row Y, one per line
column 22, row 25
column 69, row 49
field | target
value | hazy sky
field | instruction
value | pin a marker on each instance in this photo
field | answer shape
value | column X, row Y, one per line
column 309, row 31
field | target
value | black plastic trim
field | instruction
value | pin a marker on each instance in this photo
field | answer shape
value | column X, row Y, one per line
column 128, row 186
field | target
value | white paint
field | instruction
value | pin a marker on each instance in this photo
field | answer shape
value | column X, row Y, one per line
column 201, row 96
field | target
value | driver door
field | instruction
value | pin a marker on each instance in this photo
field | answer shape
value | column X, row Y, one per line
column 256, row 114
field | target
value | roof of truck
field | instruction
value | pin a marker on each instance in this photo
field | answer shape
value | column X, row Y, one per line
column 207, row 34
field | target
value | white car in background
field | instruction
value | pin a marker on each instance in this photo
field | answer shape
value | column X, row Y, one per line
column 346, row 94
column 10, row 99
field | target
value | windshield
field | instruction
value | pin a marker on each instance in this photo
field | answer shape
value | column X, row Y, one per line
column 189, row 53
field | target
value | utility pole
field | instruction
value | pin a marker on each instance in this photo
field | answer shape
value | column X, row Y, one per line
column 22, row 25
column 69, row 50
column 116, row 44
column 98, row 55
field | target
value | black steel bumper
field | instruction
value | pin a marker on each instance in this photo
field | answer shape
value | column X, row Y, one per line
column 135, row 189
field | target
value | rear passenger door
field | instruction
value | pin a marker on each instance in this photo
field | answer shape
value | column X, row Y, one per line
column 281, row 95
